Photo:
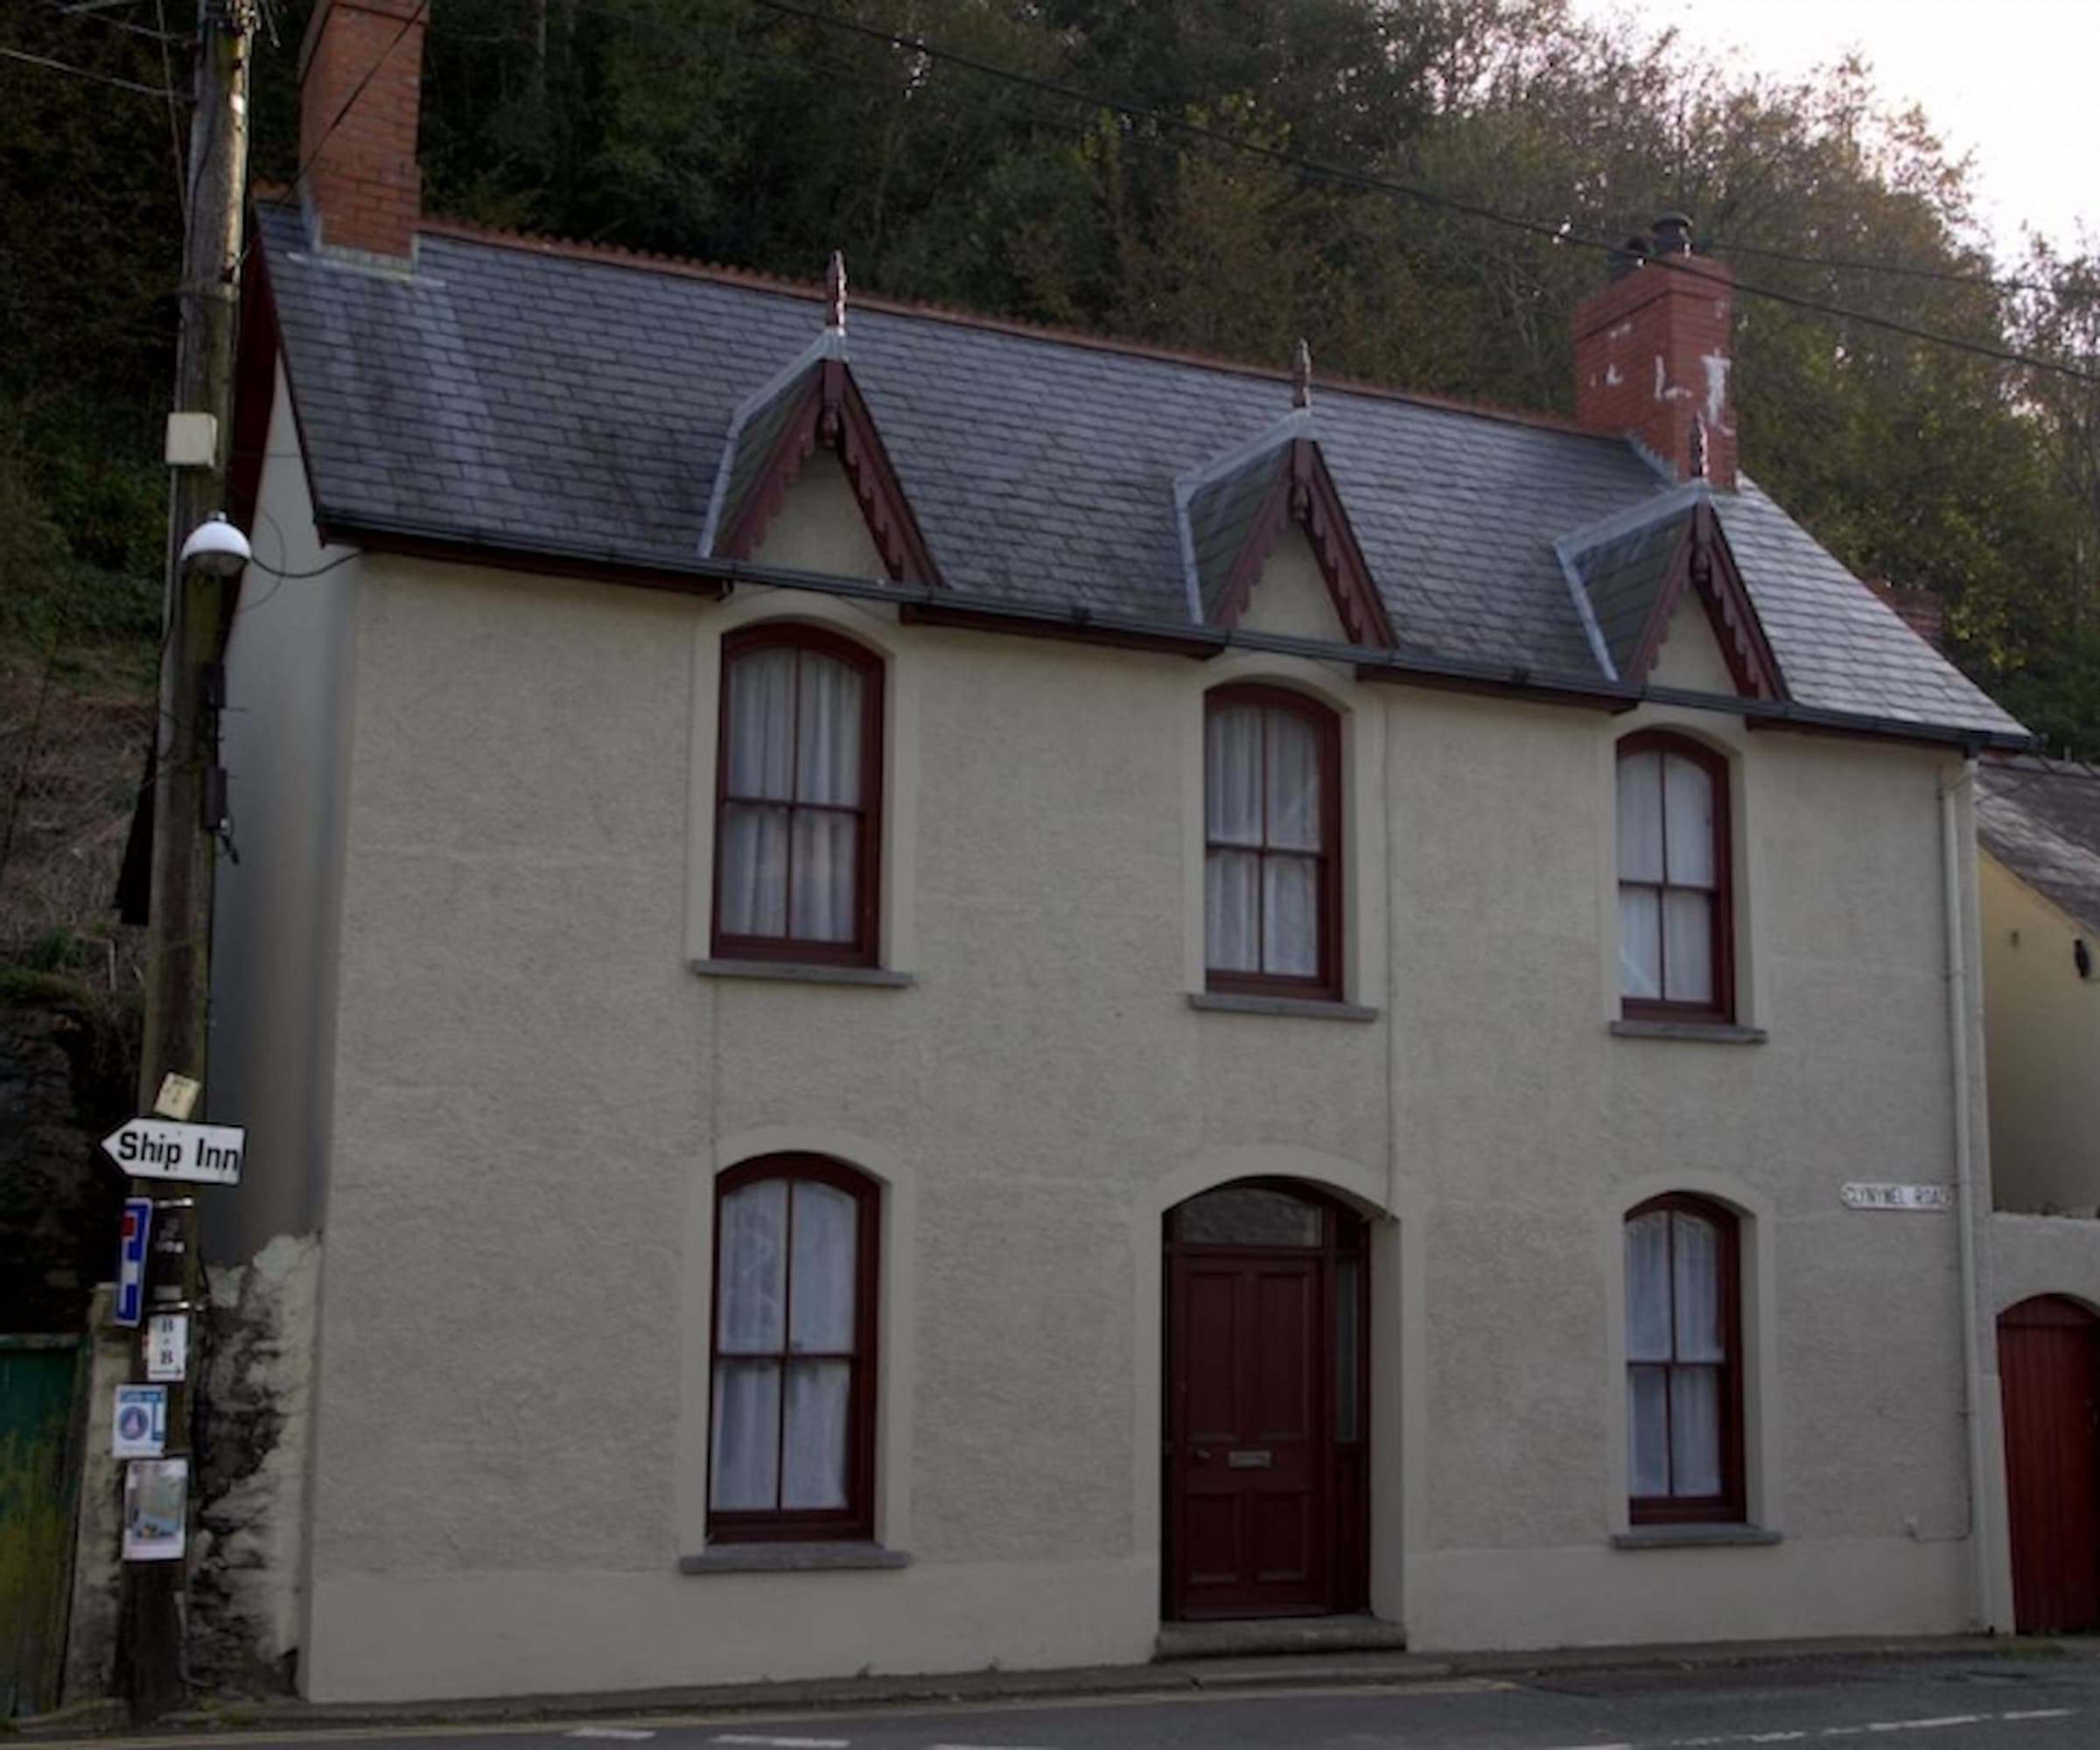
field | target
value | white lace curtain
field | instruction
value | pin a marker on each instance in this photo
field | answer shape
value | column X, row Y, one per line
column 1675, row 1353
column 790, row 815
column 1261, row 874
column 1667, row 878
column 785, row 1305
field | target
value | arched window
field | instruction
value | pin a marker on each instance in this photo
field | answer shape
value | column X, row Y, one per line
column 791, row 1451
column 1272, row 836
column 1683, row 1362
column 797, row 797
column 1675, row 928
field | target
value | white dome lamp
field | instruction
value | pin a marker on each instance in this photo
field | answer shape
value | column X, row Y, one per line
column 216, row 546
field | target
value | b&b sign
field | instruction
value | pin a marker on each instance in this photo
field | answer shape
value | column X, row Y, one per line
column 160, row 1148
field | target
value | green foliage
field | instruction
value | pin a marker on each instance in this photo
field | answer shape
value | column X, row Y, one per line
column 724, row 130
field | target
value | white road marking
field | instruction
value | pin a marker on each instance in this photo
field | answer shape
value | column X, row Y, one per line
column 1924, row 1725
column 987, row 1746
column 2041, row 1713
column 1774, row 1737
column 626, row 1734
column 762, row 1742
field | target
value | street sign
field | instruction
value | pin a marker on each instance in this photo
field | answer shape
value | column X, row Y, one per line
column 158, row 1148
column 131, row 1259
column 139, row 1428
column 1923, row 1197
column 168, row 1346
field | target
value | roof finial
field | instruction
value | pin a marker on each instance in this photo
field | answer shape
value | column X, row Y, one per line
column 835, row 293
column 1699, row 448
column 1301, row 375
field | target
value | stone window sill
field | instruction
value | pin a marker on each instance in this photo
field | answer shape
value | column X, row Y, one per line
column 1321, row 1010
column 790, row 1558
column 1692, row 1537
column 801, row 972
column 1713, row 1033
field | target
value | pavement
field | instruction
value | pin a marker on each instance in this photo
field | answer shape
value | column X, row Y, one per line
column 1955, row 1693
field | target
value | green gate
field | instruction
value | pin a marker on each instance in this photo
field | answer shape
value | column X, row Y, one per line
column 39, row 1474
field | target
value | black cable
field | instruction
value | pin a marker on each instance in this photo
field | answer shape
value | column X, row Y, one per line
column 1563, row 234
column 357, row 90
column 82, row 73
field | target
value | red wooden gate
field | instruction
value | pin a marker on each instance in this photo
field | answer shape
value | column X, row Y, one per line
column 2048, row 1351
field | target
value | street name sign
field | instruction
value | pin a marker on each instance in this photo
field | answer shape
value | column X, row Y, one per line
column 160, row 1148
column 1898, row 1196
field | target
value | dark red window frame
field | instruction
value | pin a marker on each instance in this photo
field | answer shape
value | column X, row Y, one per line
column 855, row 1521
column 1728, row 1506
column 863, row 948
column 1721, row 921
column 1325, row 983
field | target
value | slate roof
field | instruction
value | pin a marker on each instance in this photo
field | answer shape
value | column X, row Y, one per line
column 523, row 396
column 2042, row 819
column 1621, row 573
column 1218, row 506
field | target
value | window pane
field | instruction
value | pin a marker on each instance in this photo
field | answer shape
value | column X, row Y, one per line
column 1647, row 1429
column 1231, row 921
column 1647, row 1288
column 1639, row 941
column 1248, row 1215
column 820, row 907
column 1347, row 1323
column 1232, row 786
column 827, row 746
column 825, row 1235
column 1291, row 916
column 746, row 1436
column 1688, row 945
column 1697, row 1288
column 814, row 1472
column 761, row 727
column 1294, row 789
column 754, row 870
column 1695, row 1430
column 753, row 1269
column 1641, row 817
column 1689, row 813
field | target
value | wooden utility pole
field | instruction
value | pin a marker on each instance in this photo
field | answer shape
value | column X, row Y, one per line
column 187, row 796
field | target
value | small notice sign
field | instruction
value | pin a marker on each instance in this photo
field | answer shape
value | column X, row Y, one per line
column 131, row 1259
column 1918, row 1197
column 157, row 1508
column 168, row 1346
column 139, row 1430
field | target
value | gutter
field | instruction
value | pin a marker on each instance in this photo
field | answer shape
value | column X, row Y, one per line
column 1983, row 1518
column 936, row 604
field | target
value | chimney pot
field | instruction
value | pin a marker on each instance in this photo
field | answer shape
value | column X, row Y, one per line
column 1673, row 235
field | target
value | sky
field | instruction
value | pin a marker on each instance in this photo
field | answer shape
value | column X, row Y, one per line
column 2010, row 81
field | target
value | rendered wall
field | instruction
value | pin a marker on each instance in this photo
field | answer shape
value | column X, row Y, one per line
column 2043, row 1024
column 533, row 1090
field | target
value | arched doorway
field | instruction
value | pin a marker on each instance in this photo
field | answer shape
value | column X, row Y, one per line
column 2048, row 1358
column 1266, row 1470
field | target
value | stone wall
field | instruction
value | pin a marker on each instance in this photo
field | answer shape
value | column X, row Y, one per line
column 252, row 1434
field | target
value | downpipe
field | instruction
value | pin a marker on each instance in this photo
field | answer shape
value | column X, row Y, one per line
column 1983, row 1525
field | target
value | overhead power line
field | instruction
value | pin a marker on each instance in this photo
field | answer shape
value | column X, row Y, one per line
column 46, row 62
column 1561, row 234
column 357, row 90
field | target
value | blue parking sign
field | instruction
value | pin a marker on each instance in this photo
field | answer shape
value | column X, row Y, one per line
column 131, row 1259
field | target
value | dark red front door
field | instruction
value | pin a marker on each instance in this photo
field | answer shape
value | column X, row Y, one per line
column 2047, row 1362
column 1252, row 1471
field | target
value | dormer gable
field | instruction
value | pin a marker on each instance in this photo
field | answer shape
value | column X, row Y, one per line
column 1663, row 575
column 813, row 403
column 1232, row 513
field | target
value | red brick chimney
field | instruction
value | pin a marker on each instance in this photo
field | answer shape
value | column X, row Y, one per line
column 1651, row 354
column 361, row 81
